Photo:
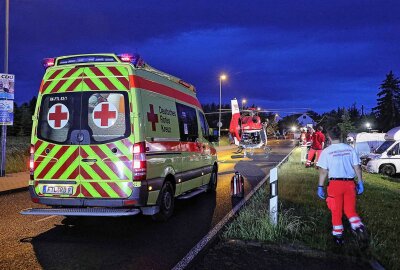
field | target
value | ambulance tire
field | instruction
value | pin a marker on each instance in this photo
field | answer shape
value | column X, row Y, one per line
column 166, row 202
column 388, row 169
column 212, row 185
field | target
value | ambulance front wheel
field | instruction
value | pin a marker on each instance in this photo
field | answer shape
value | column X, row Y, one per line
column 388, row 169
column 212, row 185
column 166, row 202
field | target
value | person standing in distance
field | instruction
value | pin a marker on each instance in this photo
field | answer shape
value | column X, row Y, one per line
column 340, row 163
column 318, row 143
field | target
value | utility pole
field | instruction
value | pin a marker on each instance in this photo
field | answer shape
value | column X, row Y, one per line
column 4, row 127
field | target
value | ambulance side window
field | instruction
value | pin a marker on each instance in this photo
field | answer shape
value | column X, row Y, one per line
column 204, row 125
column 395, row 150
column 188, row 126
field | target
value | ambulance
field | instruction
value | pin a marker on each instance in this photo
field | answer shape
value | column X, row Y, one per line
column 113, row 136
column 386, row 158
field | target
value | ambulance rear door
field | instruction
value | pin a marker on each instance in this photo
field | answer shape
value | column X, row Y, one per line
column 56, row 154
column 106, row 148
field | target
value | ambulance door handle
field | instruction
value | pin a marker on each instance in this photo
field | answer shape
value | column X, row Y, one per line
column 89, row 160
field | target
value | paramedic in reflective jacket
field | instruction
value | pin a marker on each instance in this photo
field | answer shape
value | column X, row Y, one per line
column 340, row 163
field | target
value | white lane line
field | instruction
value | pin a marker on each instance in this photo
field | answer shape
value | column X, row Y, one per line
column 43, row 219
column 214, row 231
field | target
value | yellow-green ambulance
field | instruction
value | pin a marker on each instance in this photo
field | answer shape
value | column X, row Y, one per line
column 113, row 136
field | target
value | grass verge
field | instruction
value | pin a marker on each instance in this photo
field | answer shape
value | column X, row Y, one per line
column 17, row 154
column 305, row 218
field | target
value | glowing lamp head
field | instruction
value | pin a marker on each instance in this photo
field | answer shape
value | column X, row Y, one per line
column 294, row 128
column 48, row 62
column 222, row 77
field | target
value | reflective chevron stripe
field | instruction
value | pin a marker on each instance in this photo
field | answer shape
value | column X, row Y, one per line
column 85, row 79
column 109, row 177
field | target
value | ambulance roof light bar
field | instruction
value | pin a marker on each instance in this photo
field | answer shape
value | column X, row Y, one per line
column 48, row 62
column 134, row 59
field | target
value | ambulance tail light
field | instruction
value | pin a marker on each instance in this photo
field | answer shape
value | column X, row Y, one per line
column 31, row 161
column 48, row 62
column 139, row 161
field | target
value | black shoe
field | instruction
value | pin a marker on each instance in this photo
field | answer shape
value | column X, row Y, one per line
column 338, row 240
column 361, row 234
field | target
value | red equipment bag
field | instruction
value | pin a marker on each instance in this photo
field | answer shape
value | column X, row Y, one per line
column 237, row 185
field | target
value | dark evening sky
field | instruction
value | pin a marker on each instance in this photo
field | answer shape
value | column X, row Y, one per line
column 277, row 54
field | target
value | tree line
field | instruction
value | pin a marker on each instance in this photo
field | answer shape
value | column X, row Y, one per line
column 383, row 117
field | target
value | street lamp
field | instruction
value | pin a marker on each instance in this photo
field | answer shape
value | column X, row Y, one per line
column 243, row 102
column 368, row 126
column 222, row 77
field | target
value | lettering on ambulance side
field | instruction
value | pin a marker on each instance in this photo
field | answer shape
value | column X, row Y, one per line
column 163, row 117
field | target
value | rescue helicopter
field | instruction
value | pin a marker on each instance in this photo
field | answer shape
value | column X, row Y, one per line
column 246, row 129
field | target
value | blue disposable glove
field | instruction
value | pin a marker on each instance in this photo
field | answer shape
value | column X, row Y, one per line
column 321, row 192
column 360, row 187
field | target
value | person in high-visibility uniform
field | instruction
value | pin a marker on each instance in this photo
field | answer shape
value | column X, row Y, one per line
column 340, row 163
column 318, row 143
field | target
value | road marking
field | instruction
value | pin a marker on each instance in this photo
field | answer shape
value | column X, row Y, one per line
column 182, row 264
column 43, row 219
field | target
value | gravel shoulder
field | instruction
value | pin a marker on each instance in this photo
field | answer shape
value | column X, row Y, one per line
column 236, row 254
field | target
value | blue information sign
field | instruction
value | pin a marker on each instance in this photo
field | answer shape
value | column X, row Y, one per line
column 6, row 112
column 7, row 82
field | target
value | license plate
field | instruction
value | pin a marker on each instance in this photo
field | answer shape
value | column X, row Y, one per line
column 63, row 190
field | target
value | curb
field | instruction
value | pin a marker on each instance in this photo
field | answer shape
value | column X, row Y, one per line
column 14, row 190
column 211, row 235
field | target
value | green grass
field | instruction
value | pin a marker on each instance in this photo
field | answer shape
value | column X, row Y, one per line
column 253, row 222
column 17, row 154
column 305, row 218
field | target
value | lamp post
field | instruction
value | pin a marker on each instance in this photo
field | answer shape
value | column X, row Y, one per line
column 4, row 127
column 222, row 77
column 368, row 126
column 243, row 102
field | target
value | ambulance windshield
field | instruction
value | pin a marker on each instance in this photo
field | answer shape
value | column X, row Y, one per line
column 383, row 147
column 84, row 117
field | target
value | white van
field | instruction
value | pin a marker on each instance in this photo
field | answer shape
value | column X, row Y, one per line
column 365, row 142
column 386, row 158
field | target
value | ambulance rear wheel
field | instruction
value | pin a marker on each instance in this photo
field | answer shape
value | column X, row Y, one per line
column 388, row 170
column 166, row 202
column 212, row 185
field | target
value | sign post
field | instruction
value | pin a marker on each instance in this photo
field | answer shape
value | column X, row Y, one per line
column 273, row 196
column 7, row 82
column 4, row 127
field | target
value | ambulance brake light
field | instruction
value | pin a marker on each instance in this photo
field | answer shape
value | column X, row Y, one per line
column 48, row 62
column 139, row 161
column 31, row 161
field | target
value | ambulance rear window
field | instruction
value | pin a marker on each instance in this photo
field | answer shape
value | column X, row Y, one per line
column 84, row 117
column 106, row 116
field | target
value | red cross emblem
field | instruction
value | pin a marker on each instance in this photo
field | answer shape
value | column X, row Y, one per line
column 58, row 116
column 152, row 117
column 105, row 115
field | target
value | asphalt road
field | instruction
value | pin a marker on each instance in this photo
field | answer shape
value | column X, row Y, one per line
column 37, row 242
